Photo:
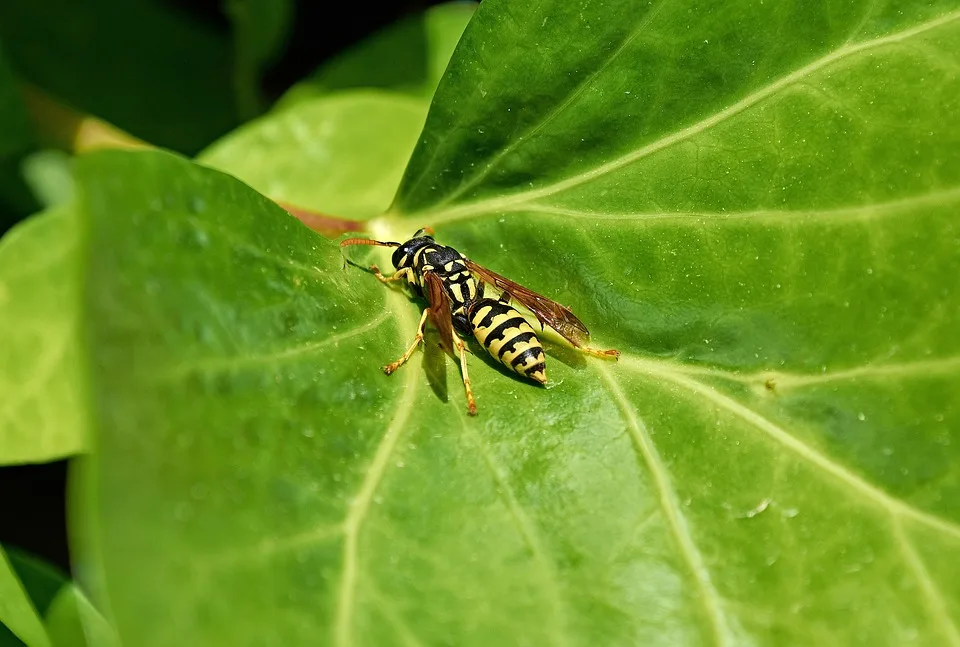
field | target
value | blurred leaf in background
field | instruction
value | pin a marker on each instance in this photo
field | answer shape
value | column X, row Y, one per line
column 41, row 413
column 409, row 56
column 135, row 63
column 260, row 28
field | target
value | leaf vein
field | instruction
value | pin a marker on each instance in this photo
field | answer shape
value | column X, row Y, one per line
column 835, row 56
column 524, row 526
column 931, row 593
column 671, row 509
column 213, row 364
column 360, row 506
column 798, row 447
column 575, row 92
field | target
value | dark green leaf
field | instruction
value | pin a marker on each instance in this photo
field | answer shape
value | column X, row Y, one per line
column 41, row 417
column 408, row 57
column 134, row 63
column 17, row 613
column 755, row 202
column 259, row 30
column 40, row 580
column 15, row 134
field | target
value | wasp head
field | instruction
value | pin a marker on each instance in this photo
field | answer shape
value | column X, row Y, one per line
column 403, row 256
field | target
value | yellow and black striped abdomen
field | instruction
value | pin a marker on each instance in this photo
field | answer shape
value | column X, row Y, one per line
column 507, row 336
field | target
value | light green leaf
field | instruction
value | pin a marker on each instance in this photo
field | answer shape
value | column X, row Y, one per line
column 74, row 622
column 409, row 56
column 259, row 30
column 342, row 154
column 41, row 417
column 754, row 202
column 17, row 613
column 48, row 174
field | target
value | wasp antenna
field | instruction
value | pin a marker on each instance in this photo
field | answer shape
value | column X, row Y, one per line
column 367, row 241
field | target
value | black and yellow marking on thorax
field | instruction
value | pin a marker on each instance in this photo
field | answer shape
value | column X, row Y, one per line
column 508, row 337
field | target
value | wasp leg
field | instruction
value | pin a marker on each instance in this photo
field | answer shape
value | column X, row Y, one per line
column 390, row 368
column 383, row 279
column 462, row 350
column 602, row 354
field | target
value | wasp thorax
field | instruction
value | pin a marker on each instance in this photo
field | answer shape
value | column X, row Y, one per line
column 403, row 256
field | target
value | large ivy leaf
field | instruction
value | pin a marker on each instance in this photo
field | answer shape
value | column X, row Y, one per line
column 41, row 415
column 755, row 205
column 408, row 57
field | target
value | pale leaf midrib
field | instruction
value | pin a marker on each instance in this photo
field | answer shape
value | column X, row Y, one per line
column 853, row 213
column 360, row 505
column 576, row 92
column 511, row 201
column 671, row 509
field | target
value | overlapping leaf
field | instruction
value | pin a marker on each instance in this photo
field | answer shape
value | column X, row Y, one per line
column 19, row 620
column 755, row 203
column 41, row 414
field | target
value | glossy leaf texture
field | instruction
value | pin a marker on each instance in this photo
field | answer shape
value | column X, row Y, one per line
column 755, row 203
column 42, row 413
column 409, row 56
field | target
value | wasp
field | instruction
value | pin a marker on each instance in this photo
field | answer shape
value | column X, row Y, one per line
column 454, row 287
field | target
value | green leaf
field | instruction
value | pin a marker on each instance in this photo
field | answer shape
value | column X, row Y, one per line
column 40, row 580
column 409, row 56
column 133, row 63
column 755, row 203
column 74, row 622
column 17, row 613
column 343, row 154
column 41, row 413
column 48, row 174
column 260, row 29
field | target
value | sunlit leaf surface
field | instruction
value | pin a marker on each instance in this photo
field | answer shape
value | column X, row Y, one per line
column 755, row 203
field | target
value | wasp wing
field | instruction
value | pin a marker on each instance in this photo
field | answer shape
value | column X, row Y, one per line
column 548, row 312
column 440, row 309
